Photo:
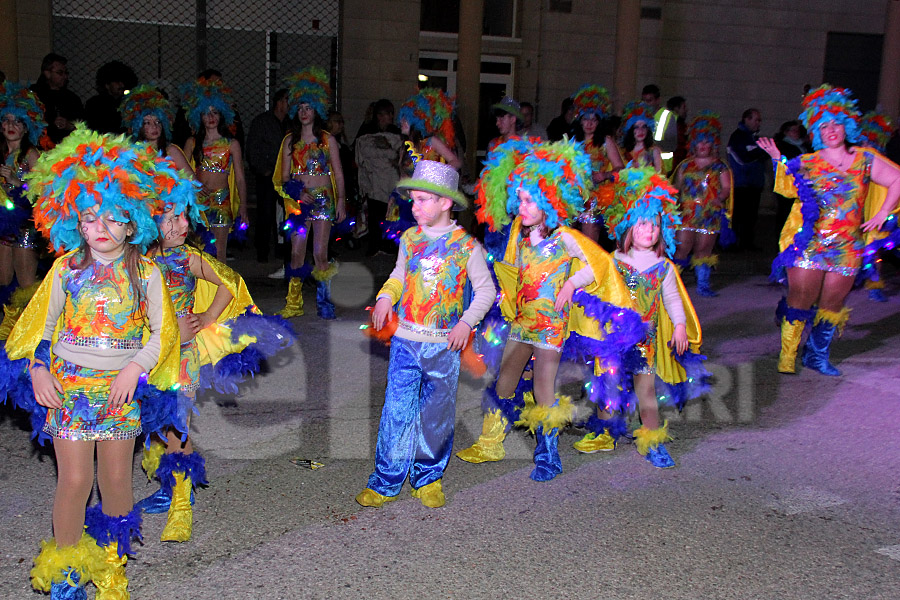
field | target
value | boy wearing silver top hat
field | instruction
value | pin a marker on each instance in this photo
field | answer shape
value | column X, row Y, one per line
column 435, row 261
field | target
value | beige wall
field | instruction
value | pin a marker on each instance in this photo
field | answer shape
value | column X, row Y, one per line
column 25, row 44
column 379, row 55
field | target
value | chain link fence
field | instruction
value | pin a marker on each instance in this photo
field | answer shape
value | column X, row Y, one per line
column 254, row 44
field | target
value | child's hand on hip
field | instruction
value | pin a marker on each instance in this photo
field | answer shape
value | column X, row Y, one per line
column 565, row 295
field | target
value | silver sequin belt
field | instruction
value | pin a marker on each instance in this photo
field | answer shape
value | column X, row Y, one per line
column 422, row 329
column 105, row 343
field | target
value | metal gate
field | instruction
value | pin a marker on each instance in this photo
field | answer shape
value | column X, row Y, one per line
column 254, row 44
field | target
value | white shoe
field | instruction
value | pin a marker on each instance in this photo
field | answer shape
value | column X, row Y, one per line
column 279, row 274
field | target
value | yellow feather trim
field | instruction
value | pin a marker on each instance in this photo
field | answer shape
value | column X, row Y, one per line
column 711, row 260
column 150, row 460
column 555, row 416
column 326, row 274
column 22, row 296
column 394, row 288
column 51, row 565
column 874, row 285
column 838, row 319
column 645, row 438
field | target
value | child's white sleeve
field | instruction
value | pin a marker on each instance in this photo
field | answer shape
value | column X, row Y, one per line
column 585, row 275
column 148, row 356
column 482, row 284
column 672, row 298
column 57, row 302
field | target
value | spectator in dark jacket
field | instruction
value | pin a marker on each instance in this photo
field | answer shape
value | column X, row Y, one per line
column 791, row 141
column 748, row 164
column 101, row 112
column 62, row 107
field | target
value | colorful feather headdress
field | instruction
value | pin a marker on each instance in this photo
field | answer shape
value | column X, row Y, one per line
column 643, row 194
column 826, row 103
column 142, row 101
column 636, row 112
column 705, row 127
column 557, row 175
column 128, row 181
column 430, row 112
column 876, row 129
column 23, row 104
column 592, row 100
column 204, row 94
column 309, row 86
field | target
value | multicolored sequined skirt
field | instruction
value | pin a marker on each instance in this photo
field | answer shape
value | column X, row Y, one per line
column 85, row 414
column 322, row 206
column 189, row 375
column 832, row 253
column 218, row 208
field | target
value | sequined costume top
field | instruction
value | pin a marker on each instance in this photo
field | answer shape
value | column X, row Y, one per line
column 543, row 268
column 639, row 158
column 645, row 287
column 20, row 167
column 432, row 297
column 216, row 156
column 837, row 240
column 310, row 158
column 174, row 264
column 702, row 206
column 600, row 163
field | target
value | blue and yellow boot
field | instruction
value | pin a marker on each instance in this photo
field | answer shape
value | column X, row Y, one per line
column 792, row 322
column 602, row 436
column 876, row 290
column 489, row 445
column 178, row 474
column 113, row 536
column 293, row 303
column 324, row 305
column 546, row 422
column 818, row 344
column 157, row 502
column 65, row 571
column 703, row 269
column 650, row 444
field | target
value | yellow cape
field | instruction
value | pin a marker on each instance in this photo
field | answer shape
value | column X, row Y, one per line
column 667, row 368
column 214, row 342
column 784, row 185
column 607, row 284
column 291, row 206
column 29, row 330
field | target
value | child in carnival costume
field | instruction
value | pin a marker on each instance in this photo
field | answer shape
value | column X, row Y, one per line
column 823, row 242
column 148, row 115
column 643, row 219
column 215, row 156
column 308, row 175
column 636, row 137
column 437, row 261
column 703, row 181
column 592, row 109
column 224, row 338
column 426, row 122
column 556, row 287
column 24, row 134
column 94, row 357
column 875, row 130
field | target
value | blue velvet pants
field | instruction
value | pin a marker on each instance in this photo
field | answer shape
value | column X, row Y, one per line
column 415, row 437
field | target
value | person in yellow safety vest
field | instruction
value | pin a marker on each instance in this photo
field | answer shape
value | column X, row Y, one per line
column 666, row 134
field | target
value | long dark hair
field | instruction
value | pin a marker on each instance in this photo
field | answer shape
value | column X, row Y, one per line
column 200, row 138
column 24, row 146
column 605, row 128
column 133, row 266
column 162, row 144
column 318, row 127
column 629, row 141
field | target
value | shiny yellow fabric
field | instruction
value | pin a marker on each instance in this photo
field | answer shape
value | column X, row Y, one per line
column 874, row 201
column 607, row 284
column 50, row 566
column 29, row 329
column 645, row 439
column 555, row 416
column 214, row 342
column 394, row 288
column 180, row 520
column 291, row 206
column 667, row 368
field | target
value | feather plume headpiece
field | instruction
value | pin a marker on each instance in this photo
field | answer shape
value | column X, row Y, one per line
column 200, row 96
column 825, row 104
column 23, row 104
column 705, row 127
column 592, row 100
column 430, row 112
column 143, row 101
column 643, row 194
column 309, row 86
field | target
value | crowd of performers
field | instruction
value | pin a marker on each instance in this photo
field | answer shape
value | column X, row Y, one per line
column 583, row 246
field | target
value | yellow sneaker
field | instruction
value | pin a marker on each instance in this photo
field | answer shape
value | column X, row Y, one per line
column 369, row 497
column 596, row 443
column 431, row 495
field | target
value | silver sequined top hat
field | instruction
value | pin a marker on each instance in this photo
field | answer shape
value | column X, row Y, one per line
column 435, row 177
column 511, row 106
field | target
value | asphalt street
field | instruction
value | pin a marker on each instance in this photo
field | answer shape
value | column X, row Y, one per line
column 786, row 486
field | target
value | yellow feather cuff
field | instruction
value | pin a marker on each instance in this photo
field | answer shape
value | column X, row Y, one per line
column 838, row 319
column 326, row 274
column 555, row 416
column 393, row 288
column 150, row 460
column 874, row 285
column 712, row 260
column 50, row 566
column 645, row 438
